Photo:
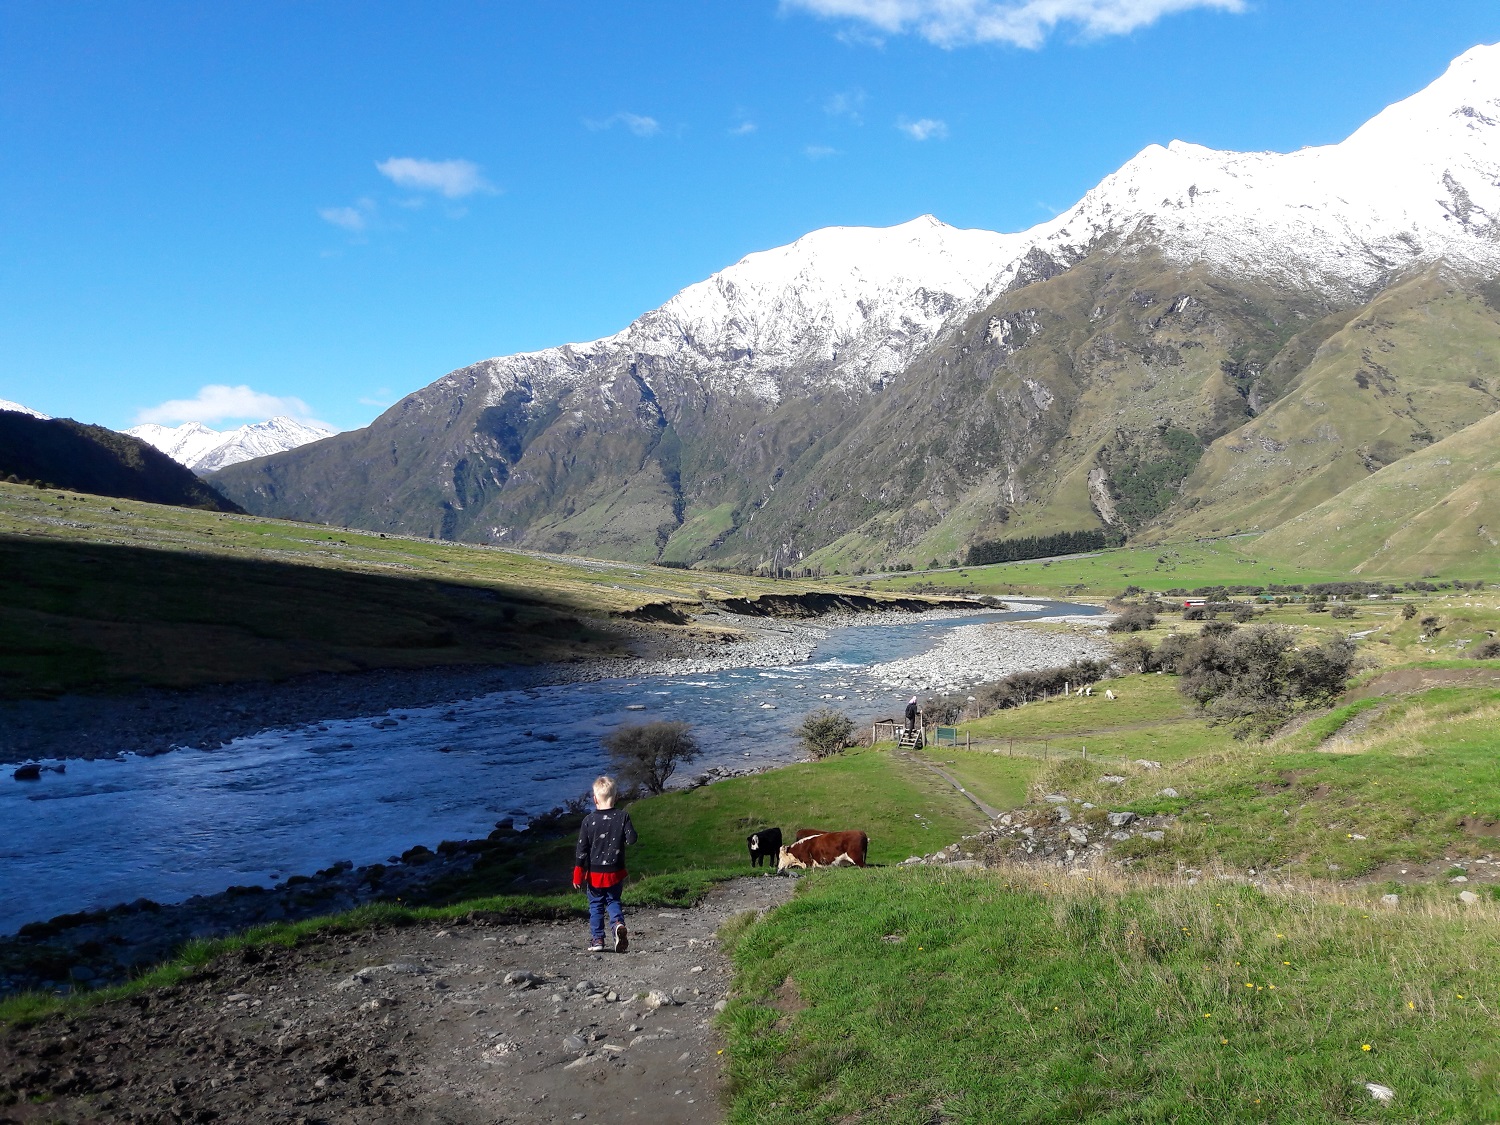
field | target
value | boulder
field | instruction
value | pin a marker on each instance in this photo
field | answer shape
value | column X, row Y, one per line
column 656, row 998
column 1111, row 779
column 1167, row 792
column 1469, row 898
column 1390, row 902
column 1121, row 819
column 29, row 772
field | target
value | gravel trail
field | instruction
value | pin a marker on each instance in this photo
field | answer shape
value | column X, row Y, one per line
column 409, row 1025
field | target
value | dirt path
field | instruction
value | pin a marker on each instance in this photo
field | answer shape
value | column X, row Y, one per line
column 414, row 1025
column 988, row 810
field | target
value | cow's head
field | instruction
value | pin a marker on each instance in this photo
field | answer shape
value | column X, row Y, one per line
column 787, row 860
column 755, row 842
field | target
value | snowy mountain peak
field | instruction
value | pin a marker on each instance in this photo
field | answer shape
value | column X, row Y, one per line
column 203, row 449
column 849, row 307
column 16, row 407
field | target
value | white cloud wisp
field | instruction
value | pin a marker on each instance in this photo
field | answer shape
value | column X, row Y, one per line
column 639, row 124
column 217, row 402
column 924, row 129
column 1022, row 23
column 452, row 179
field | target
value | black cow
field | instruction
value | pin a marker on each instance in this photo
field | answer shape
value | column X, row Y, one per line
column 765, row 844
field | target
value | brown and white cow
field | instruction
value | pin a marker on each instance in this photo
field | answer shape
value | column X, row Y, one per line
column 825, row 849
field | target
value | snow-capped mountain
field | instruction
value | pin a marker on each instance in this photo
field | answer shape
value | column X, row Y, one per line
column 203, row 450
column 1418, row 182
column 729, row 402
column 6, row 404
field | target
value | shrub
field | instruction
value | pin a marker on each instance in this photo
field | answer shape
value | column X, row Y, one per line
column 1342, row 611
column 825, row 732
column 1484, row 650
column 645, row 755
column 1133, row 619
column 1408, row 611
column 1254, row 679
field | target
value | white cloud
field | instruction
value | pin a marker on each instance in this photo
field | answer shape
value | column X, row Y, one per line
column 847, row 104
column 1023, row 23
column 217, row 402
column 453, row 179
column 638, row 124
column 818, row 152
column 923, row 129
column 743, row 129
column 355, row 218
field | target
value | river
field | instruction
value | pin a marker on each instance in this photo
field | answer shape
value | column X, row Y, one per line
column 289, row 801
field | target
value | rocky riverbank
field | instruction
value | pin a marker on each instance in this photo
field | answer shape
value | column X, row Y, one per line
column 974, row 654
column 156, row 721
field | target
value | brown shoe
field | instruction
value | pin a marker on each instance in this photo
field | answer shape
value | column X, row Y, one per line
column 622, row 939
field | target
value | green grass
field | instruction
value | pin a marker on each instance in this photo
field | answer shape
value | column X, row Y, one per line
column 1335, row 800
column 1011, row 1000
column 905, row 810
column 1229, row 562
column 999, row 781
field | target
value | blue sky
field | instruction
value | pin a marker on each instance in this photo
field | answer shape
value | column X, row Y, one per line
column 335, row 203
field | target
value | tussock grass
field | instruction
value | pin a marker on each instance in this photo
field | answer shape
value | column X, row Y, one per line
column 1013, row 995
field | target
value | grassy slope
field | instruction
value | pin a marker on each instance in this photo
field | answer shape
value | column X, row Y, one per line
column 1417, row 365
column 1013, row 998
column 105, row 593
column 1437, row 509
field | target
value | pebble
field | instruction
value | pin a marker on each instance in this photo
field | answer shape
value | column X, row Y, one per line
column 656, row 998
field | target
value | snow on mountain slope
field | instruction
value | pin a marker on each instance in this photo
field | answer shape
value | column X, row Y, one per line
column 847, row 307
column 203, row 449
column 1418, row 182
column 6, row 404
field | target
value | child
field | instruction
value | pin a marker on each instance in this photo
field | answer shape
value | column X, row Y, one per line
column 600, row 858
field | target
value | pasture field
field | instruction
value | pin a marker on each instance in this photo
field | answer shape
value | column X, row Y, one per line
column 901, row 996
column 1235, row 561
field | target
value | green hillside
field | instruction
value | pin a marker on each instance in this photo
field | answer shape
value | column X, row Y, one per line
column 1435, row 510
column 1417, row 364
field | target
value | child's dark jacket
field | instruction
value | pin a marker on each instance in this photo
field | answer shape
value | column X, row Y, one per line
column 601, row 848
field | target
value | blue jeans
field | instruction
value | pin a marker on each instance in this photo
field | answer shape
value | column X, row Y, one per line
column 602, row 899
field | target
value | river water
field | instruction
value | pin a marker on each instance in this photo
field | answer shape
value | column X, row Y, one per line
column 290, row 801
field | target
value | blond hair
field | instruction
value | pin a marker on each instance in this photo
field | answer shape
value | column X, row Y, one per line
column 604, row 790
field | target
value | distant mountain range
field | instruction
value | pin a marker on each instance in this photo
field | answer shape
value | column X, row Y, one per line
column 1208, row 342
column 203, row 450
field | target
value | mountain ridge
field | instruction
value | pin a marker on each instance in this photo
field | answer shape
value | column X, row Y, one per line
column 680, row 436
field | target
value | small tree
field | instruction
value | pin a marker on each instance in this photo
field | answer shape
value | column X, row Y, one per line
column 1408, row 611
column 1342, row 610
column 825, row 732
column 645, row 755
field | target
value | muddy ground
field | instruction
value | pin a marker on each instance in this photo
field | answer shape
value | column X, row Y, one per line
column 411, row 1025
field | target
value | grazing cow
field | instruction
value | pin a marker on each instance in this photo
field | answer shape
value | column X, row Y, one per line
column 826, row 849
column 763, row 845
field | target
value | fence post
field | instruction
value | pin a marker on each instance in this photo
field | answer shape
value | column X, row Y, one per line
column 1085, row 753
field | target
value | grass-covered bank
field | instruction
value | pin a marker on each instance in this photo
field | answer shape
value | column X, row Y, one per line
column 690, row 838
column 923, row 995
